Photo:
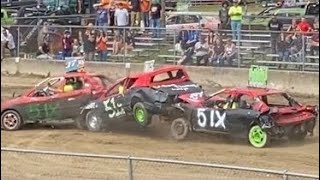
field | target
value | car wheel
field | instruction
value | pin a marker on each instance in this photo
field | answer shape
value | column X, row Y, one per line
column 141, row 115
column 297, row 133
column 11, row 120
column 179, row 129
column 257, row 137
column 94, row 121
column 80, row 122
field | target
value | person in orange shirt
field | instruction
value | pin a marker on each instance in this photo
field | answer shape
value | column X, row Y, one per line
column 101, row 43
column 145, row 8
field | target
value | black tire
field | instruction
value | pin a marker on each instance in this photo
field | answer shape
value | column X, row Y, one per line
column 179, row 134
column 80, row 122
column 296, row 134
column 94, row 122
column 141, row 115
column 11, row 120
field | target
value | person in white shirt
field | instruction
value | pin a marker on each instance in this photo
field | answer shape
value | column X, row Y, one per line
column 7, row 41
column 121, row 18
column 201, row 49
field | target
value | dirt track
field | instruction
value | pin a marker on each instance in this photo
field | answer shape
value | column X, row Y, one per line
column 127, row 139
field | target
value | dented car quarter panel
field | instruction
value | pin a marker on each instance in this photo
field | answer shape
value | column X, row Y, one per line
column 233, row 121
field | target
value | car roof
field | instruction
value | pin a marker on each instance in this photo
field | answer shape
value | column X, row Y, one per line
column 73, row 74
column 158, row 71
column 253, row 91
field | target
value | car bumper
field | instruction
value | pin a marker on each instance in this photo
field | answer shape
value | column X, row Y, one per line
column 155, row 108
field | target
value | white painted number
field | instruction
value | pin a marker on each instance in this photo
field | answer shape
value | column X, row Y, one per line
column 196, row 96
column 202, row 119
column 115, row 108
column 216, row 118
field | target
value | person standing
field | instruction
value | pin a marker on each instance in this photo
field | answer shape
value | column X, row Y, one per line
column 67, row 44
column 275, row 26
column 111, row 13
column 135, row 12
column 121, row 16
column 145, row 8
column 7, row 41
column 155, row 16
column 102, row 18
column 224, row 17
column 235, row 13
column 102, row 46
column 89, row 43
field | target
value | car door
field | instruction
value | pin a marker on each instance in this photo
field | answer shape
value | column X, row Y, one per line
column 36, row 108
column 115, row 104
column 171, row 22
column 210, row 120
column 191, row 21
column 240, row 114
column 68, row 105
column 40, row 107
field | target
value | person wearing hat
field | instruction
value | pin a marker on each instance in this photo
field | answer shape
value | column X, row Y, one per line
column 67, row 44
column 235, row 13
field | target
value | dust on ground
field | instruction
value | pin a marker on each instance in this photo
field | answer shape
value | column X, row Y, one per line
column 126, row 138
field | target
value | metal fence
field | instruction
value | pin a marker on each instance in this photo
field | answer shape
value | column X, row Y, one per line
column 253, row 47
column 34, row 164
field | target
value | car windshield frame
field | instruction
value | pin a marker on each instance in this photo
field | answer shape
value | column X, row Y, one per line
column 43, row 84
column 291, row 101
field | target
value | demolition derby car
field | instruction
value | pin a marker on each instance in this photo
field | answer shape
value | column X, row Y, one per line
column 55, row 98
column 257, row 114
column 140, row 96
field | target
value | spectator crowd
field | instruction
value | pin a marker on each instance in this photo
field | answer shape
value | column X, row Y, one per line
column 205, row 46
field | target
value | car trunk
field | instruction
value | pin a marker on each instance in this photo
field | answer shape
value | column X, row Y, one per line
column 291, row 115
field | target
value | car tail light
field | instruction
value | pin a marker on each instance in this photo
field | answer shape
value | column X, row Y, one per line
column 313, row 108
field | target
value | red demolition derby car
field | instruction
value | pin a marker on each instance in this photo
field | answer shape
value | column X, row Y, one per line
column 52, row 99
column 257, row 114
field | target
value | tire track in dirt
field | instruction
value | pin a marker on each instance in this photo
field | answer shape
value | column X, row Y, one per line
column 126, row 139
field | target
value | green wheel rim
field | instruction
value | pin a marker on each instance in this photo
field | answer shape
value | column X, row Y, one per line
column 140, row 116
column 257, row 137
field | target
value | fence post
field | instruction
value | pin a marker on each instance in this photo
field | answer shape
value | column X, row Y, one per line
column 285, row 176
column 130, row 172
column 124, row 59
column 238, row 47
column 174, row 47
column 18, row 42
column 303, row 54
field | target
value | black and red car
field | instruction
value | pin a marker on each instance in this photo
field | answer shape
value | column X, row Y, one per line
column 48, row 101
column 258, row 114
column 140, row 96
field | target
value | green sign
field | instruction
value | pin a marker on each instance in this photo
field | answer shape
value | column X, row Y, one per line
column 258, row 76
